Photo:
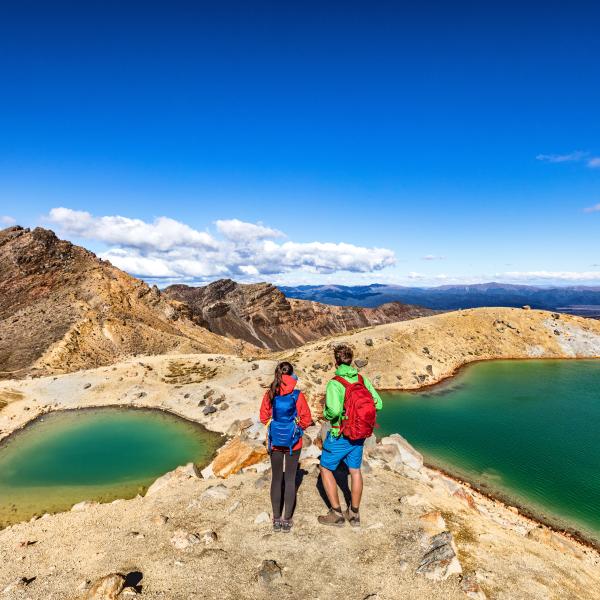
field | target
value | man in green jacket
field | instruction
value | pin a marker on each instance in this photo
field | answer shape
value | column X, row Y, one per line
column 337, row 447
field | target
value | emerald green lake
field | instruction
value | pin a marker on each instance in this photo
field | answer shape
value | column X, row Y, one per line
column 528, row 431
column 94, row 454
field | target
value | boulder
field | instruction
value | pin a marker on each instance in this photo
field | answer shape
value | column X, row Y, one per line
column 209, row 537
column 178, row 475
column 263, row 517
column 432, row 523
column 312, row 432
column 237, row 454
column 408, row 454
column 269, row 572
column 238, row 426
column 216, row 492
column 207, row 472
column 208, row 410
column 312, row 451
column 106, row 588
column 472, row 589
column 440, row 559
column 256, row 431
column 182, row 539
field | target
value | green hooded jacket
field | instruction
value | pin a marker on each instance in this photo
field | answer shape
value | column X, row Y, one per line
column 335, row 392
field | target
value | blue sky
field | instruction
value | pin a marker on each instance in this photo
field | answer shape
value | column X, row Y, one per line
column 438, row 143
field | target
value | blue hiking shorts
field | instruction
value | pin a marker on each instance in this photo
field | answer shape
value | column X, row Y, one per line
column 337, row 449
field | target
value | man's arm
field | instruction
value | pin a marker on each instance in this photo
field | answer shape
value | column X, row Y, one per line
column 334, row 401
column 376, row 396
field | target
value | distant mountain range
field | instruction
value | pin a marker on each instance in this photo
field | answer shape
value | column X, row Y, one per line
column 578, row 300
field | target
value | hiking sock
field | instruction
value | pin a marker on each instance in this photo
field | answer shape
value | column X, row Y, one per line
column 337, row 510
column 354, row 509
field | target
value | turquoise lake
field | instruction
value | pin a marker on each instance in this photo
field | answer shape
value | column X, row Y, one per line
column 528, row 431
column 94, row 454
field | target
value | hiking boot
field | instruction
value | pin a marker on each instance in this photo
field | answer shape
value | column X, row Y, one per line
column 333, row 517
column 352, row 517
column 286, row 525
column 276, row 524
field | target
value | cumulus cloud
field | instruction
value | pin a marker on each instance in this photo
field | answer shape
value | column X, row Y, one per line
column 169, row 250
column 591, row 209
column 162, row 234
column 234, row 229
column 561, row 158
column 7, row 220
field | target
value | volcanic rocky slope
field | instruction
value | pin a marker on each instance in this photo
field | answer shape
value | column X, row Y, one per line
column 262, row 315
column 63, row 309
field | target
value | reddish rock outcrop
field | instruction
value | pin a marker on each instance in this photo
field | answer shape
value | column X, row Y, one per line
column 262, row 315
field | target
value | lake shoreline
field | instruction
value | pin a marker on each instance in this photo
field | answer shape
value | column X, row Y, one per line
column 60, row 497
column 460, row 368
column 169, row 399
column 506, row 502
column 558, row 524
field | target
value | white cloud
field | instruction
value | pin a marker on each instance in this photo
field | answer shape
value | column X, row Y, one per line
column 162, row 234
column 7, row 220
column 594, row 162
column 234, row 229
column 432, row 257
column 170, row 250
column 561, row 158
column 550, row 275
column 591, row 209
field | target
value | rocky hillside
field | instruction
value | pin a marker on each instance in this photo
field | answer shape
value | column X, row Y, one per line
column 421, row 352
column 262, row 315
column 63, row 309
column 423, row 535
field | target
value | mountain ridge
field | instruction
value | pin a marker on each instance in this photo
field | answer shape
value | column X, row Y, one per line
column 261, row 314
column 62, row 309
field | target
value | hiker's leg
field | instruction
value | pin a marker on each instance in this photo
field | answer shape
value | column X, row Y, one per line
column 356, row 487
column 331, row 489
column 354, row 462
column 291, row 466
column 276, row 482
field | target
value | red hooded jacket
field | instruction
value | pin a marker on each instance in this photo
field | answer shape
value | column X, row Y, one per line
column 288, row 383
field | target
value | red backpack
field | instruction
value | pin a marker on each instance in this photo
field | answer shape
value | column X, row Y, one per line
column 358, row 420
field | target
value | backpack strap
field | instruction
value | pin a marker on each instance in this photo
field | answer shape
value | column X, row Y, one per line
column 342, row 381
column 347, row 384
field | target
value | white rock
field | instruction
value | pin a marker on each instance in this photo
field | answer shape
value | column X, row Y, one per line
column 182, row 539
column 217, row 492
column 81, row 506
column 209, row 537
column 409, row 455
column 313, row 432
column 207, row 472
column 310, row 452
column 263, row 517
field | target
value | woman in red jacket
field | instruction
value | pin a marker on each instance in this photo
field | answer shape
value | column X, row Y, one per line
column 283, row 384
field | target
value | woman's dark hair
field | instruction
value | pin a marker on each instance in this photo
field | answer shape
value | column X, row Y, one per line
column 283, row 368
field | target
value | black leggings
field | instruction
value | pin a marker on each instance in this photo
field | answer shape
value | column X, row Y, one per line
column 277, row 482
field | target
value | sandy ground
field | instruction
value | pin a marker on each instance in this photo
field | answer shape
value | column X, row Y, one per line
column 65, row 551
column 75, row 547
